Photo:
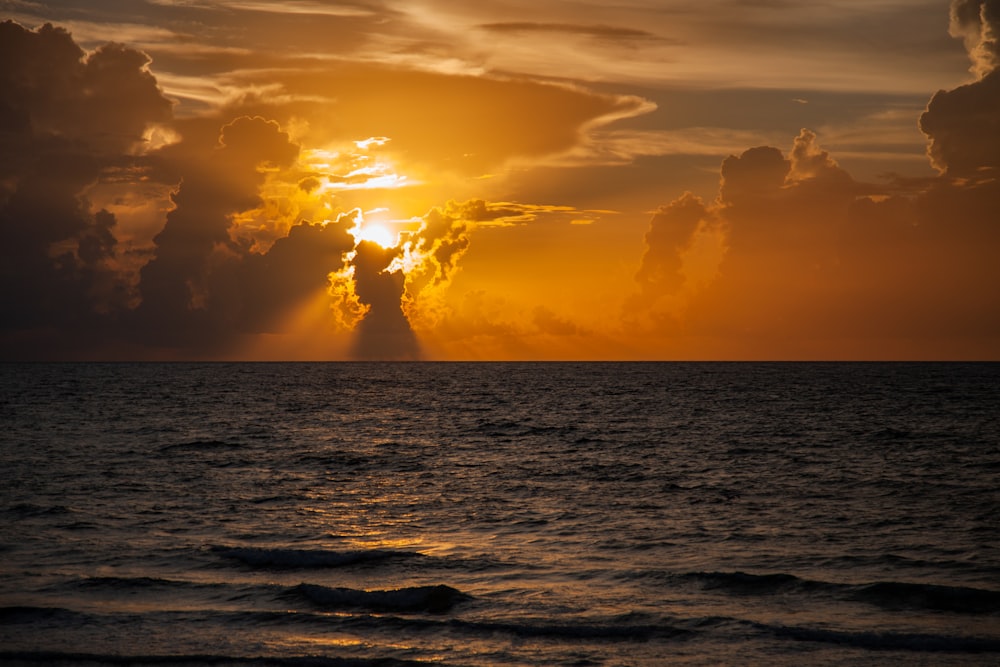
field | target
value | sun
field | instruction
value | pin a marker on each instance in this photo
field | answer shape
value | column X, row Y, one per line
column 379, row 234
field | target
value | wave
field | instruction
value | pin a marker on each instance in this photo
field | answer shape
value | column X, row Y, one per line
column 961, row 599
column 292, row 559
column 887, row 641
column 436, row 599
column 891, row 595
column 14, row 658
column 748, row 584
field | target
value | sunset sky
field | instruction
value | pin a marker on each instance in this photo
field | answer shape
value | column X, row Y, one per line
column 444, row 180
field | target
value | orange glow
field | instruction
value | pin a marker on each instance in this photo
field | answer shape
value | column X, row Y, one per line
column 379, row 234
column 444, row 183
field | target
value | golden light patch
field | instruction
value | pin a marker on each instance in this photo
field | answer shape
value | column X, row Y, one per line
column 377, row 233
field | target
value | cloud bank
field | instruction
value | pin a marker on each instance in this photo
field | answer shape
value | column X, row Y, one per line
column 809, row 259
column 131, row 231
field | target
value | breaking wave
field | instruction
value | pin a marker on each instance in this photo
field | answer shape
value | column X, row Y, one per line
column 310, row 558
column 437, row 599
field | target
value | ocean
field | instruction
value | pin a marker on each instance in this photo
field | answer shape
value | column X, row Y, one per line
column 390, row 514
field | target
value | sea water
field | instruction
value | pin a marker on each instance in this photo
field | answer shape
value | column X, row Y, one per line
column 499, row 514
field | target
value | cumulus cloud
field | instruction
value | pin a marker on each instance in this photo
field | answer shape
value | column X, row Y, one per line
column 815, row 262
column 232, row 257
column 977, row 22
column 963, row 124
column 295, row 268
column 671, row 232
column 758, row 172
column 75, row 121
column 384, row 333
column 65, row 125
column 813, row 259
column 52, row 89
column 183, row 288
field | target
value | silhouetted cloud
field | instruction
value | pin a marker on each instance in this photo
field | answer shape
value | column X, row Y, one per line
column 74, row 120
column 384, row 333
column 185, row 296
column 964, row 127
column 295, row 268
column 67, row 117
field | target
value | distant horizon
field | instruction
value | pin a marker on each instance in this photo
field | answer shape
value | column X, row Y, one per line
column 498, row 361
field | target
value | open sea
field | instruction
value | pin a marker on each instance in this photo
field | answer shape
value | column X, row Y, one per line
column 314, row 514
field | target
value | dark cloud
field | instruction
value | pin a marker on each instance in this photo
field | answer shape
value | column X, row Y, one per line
column 73, row 120
column 294, row 269
column 963, row 126
column 547, row 322
column 187, row 291
column 309, row 183
column 52, row 89
column 384, row 334
column 67, row 118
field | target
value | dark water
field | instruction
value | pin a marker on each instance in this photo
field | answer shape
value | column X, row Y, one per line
column 500, row 514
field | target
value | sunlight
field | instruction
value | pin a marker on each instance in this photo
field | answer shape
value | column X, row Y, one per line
column 377, row 233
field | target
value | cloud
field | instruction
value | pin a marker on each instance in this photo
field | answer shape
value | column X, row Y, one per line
column 814, row 262
column 294, row 269
column 233, row 257
column 963, row 126
column 76, row 125
column 671, row 233
column 52, row 89
column 466, row 125
column 598, row 31
column 385, row 332
column 548, row 322
column 69, row 117
column 758, row 172
column 184, row 293
column 977, row 22
column 302, row 7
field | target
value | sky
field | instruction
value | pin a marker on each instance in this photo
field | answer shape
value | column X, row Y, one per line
column 499, row 180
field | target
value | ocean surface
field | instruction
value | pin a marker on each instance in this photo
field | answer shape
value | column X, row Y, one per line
column 500, row 514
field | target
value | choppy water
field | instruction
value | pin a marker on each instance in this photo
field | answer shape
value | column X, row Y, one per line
column 500, row 514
